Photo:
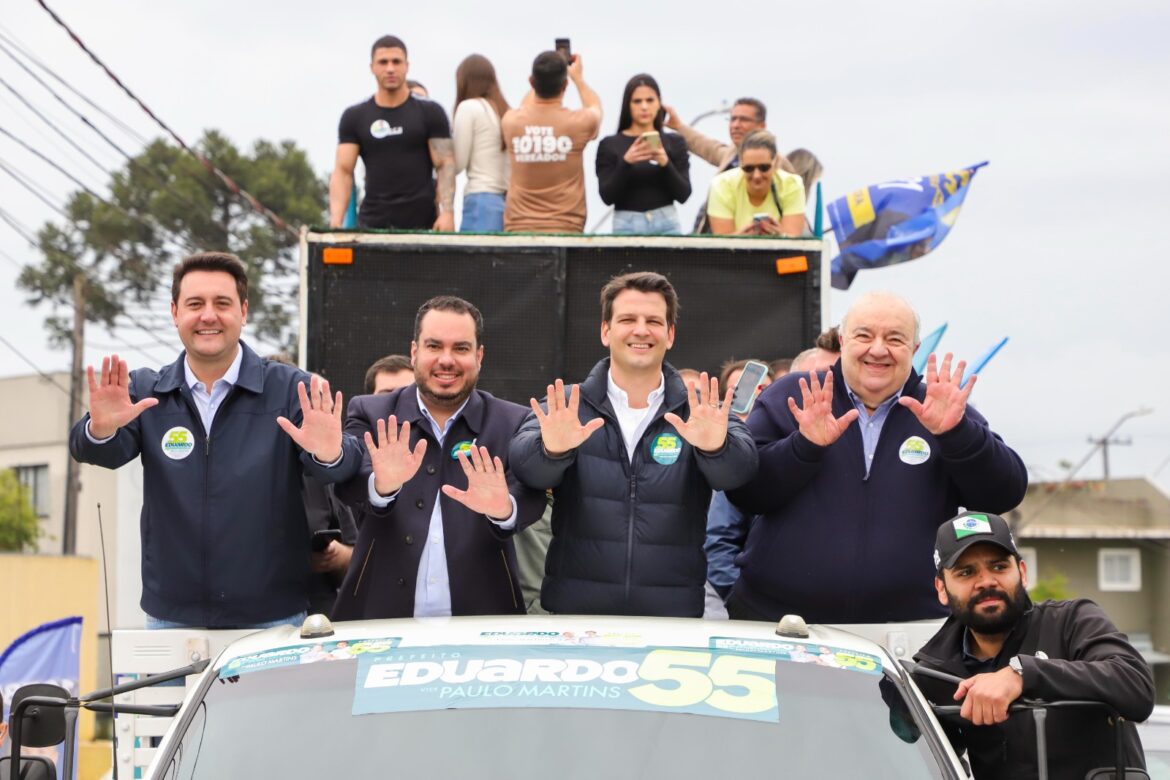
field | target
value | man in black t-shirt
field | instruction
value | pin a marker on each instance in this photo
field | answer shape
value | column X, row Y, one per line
column 401, row 139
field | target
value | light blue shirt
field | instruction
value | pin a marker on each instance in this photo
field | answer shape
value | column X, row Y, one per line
column 432, row 587
column 871, row 424
column 208, row 402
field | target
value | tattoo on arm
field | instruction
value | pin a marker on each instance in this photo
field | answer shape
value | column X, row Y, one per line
column 443, row 158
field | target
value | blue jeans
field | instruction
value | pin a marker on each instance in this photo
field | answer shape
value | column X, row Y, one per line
column 659, row 222
column 155, row 624
column 483, row 212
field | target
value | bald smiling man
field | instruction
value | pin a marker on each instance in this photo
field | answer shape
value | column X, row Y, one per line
column 858, row 467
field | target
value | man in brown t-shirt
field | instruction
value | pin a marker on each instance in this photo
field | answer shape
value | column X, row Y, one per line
column 545, row 141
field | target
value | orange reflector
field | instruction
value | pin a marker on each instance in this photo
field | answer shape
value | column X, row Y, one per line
column 784, row 265
column 343, row 256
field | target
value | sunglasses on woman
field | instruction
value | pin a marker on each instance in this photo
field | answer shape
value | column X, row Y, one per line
column 762, row 168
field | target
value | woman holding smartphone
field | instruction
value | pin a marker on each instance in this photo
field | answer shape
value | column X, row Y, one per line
column 479, row 145
column 641, row 170
column 758, row 197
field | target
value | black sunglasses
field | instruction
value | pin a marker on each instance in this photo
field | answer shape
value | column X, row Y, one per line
column 762, row 168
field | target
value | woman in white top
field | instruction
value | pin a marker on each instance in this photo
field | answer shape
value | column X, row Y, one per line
column 479, row 144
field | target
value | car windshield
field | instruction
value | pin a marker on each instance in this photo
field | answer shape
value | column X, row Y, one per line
column 298, row 721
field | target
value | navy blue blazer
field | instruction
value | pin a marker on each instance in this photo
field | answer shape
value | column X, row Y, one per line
column 481, row 561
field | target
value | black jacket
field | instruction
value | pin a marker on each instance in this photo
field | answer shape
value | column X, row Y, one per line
column 481, row 562
column 1087, row 658
column 628, row 538
column 225, row 542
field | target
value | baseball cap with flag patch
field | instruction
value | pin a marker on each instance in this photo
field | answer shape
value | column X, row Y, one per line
column 956, row 535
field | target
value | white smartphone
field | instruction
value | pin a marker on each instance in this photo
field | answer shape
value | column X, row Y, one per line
column 748, row 387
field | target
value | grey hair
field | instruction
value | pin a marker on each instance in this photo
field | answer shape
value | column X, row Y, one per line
column 883, row 295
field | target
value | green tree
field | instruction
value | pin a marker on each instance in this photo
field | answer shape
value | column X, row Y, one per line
column 19, row 527
column 1054, row 586
column 163, row 205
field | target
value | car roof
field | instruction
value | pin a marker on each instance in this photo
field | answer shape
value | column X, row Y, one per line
column 600, row 631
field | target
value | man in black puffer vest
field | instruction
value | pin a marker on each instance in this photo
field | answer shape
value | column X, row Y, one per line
column 631, row 457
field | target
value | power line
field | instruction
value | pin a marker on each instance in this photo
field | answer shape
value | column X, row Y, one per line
column 35, row 367
column 101, row 166
column 85, row 120
column 252, row 200
column 10, row 39
column 19, row 177
column 16, row 225
column 144, row 223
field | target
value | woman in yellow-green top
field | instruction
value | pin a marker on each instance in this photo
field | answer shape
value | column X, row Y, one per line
column 757, row 198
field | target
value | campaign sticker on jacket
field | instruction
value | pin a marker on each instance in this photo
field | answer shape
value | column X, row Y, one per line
column 666, row 448
column 178, row 442
column 464, row 447
column 914, row 450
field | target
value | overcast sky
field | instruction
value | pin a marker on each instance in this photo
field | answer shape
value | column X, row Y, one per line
column 1055, row 247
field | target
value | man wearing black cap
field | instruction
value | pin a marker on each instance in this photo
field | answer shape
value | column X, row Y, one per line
column 1007, row 648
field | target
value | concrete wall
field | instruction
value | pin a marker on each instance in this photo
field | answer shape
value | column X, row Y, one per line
column 34, row 428
column 1132, row 612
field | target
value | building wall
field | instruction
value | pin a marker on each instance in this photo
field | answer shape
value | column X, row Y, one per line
column 34, row 430
column 1131, row 611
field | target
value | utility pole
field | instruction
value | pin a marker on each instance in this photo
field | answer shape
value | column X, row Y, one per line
column 1104, row 443
column 72, row 481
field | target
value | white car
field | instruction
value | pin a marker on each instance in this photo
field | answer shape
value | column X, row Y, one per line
column 563, row 697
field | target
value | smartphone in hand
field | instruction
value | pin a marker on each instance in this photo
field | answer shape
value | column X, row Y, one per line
column 748, row 387
column 321, row 539
column 564, row 49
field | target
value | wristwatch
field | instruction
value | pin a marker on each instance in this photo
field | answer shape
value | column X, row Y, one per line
column 1016, row 666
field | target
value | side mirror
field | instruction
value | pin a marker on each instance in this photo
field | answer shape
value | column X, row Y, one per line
column 31, row 768
column 41, row 725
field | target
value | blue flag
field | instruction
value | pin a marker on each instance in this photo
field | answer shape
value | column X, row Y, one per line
column 50, row 653
column 978, row 365
column 928, row 345
column 896, row 221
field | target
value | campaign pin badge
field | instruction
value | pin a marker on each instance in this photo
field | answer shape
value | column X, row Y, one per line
column 666, row 448
column 914, row 450
column 464, row 447
column 380, row 128
column 177, row 443
column 970, row 525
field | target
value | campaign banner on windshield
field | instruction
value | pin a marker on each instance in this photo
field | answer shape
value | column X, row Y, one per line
column 696, row 681
column 294, row 655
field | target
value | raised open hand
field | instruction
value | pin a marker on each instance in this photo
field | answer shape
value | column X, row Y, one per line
column 815, row 413
column 706, row 426
column 561, row 429
column 487, row 487
column 946, row 401
column 320, row 431
column 110, row 406
column 390, row 457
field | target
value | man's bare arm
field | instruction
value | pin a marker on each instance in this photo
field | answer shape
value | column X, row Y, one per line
column 341, row 182
column 443, row 158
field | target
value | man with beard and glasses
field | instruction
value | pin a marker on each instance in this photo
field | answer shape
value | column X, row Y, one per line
column 1006, row 648
column 440, row 504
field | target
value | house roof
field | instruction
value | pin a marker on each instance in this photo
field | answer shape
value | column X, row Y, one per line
column 1093, row 509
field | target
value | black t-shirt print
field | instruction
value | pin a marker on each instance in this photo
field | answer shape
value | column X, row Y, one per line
column 400, row 188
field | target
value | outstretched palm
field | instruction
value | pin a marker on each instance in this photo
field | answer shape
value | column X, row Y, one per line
column 705, row 428
column 391, row 458
column 815, row 413
column 487, row 486
column 561, row 429
column 945, row 402
column 110, row 406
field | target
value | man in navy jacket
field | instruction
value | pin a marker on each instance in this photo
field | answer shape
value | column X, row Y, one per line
column 858, row 467
column 225, row 542
column 439, row 503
